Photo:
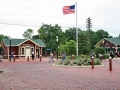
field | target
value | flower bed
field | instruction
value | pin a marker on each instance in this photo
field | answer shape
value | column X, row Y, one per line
column 78, row 62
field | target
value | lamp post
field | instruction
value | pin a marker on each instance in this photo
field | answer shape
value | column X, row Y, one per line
column 57, row 46
column 10, row 51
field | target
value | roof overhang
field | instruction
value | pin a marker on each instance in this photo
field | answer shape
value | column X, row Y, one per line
column 101, row 41
column 28, row 40
column 2, row 43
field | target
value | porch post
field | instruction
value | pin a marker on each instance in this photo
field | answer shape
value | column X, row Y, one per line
column 35, row 51
column 8, row 53
column 40, row 51
column 19, row 51
column 116, row 48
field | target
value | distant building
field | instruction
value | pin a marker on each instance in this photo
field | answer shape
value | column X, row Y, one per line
column 22, row 47
column 110, row 44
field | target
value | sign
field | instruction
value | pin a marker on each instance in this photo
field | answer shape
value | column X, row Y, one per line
column 27, row 44
column 49, row 48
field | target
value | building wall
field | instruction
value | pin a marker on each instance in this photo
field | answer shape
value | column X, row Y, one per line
column 27, row 43
column 110, row 45
column 14, row 49
column 5, row 50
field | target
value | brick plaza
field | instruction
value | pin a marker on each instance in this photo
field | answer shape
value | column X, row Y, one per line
column 41, row 75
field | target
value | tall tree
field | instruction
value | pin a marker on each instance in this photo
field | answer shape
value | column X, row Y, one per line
column 28, row 34
column 71, row 33
column 83, row 44
column 70, row 47
column 35, row 36
column 103, row 34
column 3, row 36
column 94, row 40
column 48, row 34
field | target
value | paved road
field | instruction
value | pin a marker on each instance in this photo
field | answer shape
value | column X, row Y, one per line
column 36, row 75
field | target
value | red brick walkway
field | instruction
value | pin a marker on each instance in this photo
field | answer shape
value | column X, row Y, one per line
column 36, row 75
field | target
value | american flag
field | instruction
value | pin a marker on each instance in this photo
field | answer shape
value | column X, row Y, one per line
column 68, row 9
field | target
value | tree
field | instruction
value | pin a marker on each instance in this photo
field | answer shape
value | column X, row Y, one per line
column 103, row 34
column 3, row 36
column 48, row 34
column 83, row 44
column 99, row 50
column 35, row 37
column 71, row 33
column 94, row 40
column 70, row 47
column 28, row 34
column 61, row 48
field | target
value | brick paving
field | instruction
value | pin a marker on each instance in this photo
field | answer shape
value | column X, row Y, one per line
column 36, row 75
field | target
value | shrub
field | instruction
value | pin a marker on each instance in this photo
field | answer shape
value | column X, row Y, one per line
column 61, row 62
column 74, row 62
column 86, row 63
column 89, row 61
column 66, row 62
column 82, row 61
column 97, row 62
column 79, row 63
column 99, row 50
column 105, row 56
column 85, row 59
column 68, row 57
column 71, row 64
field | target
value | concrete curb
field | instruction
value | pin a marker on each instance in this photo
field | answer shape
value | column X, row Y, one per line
column 77, row 66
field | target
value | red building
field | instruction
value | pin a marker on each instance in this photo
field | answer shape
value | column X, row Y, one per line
column 22, row 47
column 110, row 44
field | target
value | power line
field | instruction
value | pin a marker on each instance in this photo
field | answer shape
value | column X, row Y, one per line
column 9, row 20
column 40, row 16
column 69, row 25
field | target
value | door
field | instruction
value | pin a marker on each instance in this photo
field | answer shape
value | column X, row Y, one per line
column 27, row 51
column 37, row 53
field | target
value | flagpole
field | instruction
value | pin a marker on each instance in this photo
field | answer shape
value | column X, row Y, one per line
column 76, row 31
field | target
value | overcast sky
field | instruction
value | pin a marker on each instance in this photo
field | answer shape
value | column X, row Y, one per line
column 16, row 16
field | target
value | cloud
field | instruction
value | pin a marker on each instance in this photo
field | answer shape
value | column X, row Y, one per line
column 31, row 13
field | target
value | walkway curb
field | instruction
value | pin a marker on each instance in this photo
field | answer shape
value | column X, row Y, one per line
column 76, row 66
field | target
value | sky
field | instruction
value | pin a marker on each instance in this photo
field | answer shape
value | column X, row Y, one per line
column 16, row 16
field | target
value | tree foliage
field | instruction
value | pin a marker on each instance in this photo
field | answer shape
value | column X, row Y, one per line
column 70, row 47
column 61, row 48
column 94, row 40
column 3, row 36
column 28, row 34
column 87, row 39
column 83, row 43
column 99, row 50
column 70, row 33
column 103, row 34
column 48, row 34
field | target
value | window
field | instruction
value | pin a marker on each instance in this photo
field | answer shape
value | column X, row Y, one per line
column 23, row 51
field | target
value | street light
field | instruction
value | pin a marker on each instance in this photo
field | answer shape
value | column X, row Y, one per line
column 57, row 46
column 10, row 51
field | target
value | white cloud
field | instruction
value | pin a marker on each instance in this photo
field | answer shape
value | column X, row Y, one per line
column 104, row 13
